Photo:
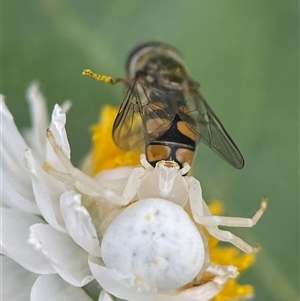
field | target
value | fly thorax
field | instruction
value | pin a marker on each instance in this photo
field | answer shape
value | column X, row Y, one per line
column 165, row 182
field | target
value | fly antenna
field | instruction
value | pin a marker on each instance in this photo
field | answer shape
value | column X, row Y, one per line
column 101, row 77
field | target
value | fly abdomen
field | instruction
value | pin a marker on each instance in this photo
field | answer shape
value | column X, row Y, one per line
column 176, row 144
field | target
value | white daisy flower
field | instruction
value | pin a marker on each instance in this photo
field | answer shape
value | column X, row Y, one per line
column 66, row 236
column 47, row 235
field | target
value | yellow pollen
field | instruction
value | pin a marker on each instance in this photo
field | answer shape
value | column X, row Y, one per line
column 148, row 217
column 139, row 278
column 155, row 261
column 46, row 165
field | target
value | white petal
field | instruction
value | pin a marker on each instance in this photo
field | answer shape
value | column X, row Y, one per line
column 53, row 288
column 48, row 205
column 57, row 127
column 104, row 296
column 12, row 198
column 223, row 270
column 156, row 240
column 36, row 135
column 12, row 166
column 123, row 286
column 16, row 281
column 15, row 235
column 210, row 289
column 8, row 121
column 203, row 292
column 67, row 258
column 79, row 223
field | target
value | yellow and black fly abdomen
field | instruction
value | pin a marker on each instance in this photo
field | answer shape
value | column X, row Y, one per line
column 176, row 144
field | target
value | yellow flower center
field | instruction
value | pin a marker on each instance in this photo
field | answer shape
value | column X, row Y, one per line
column 105, row 153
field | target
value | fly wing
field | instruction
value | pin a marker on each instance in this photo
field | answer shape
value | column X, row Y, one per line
column 158, row 111
column 143, row 116
column 201, row 119
column 128, row 132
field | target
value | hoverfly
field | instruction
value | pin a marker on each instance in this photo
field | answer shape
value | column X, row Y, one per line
column 164, row 110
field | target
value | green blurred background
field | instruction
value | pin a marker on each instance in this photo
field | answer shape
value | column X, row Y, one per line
column 244, row 54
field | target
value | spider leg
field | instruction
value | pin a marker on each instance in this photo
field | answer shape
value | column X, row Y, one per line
column 133, row 183
column 203, row 216
column 144, row 162
column 227, row 236
column 215, row 220
column 185, row 169
column 78, row 179
column 198, row 206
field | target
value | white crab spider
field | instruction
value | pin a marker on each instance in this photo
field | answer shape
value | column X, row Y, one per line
column 165, row 181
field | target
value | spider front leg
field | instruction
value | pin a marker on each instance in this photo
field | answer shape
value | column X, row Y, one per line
column 133, row 183
column 203, row 216
column 228, row 221
column 80, row 180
